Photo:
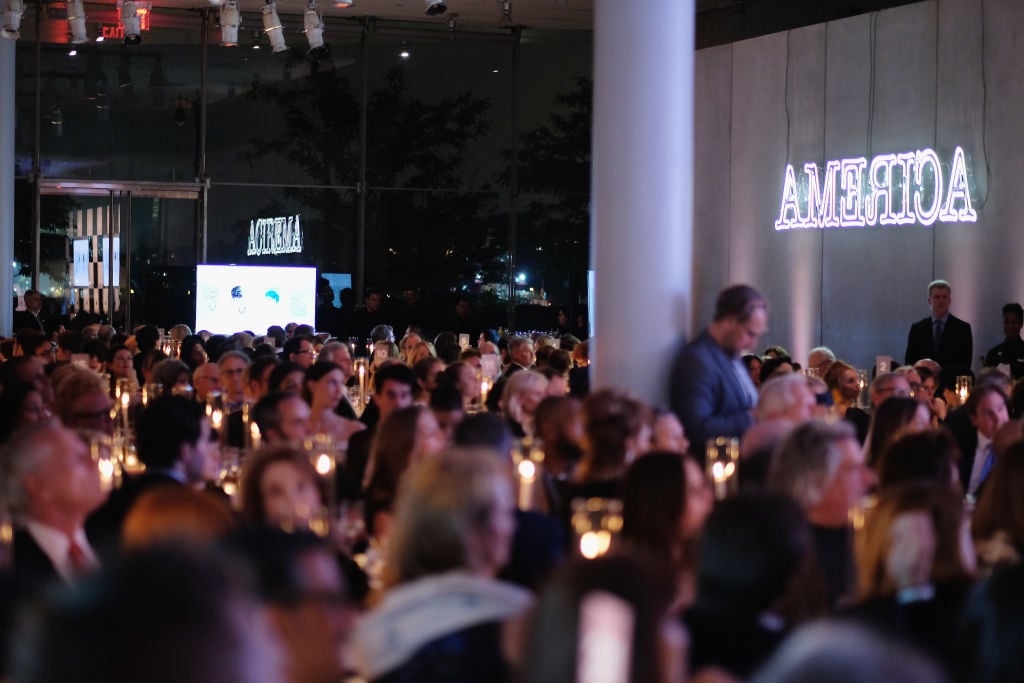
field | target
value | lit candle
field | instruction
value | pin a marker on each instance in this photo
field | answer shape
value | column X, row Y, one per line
column 126, row 400
column 721, row 473
column 595, row 543
column 254, row 435
column 361, row 364
column 324, row 463
column 527, row 478
column 106, row 468
column 217, row 419
column 485, row 389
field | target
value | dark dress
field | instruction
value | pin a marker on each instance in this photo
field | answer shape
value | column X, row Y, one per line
column 472, row 655
column 737, row 644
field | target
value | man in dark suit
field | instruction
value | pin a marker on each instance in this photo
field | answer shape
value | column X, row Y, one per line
column 710, row 389
column 521, row 357
column 173, row 441
column 33, row 316
column 941, row 336
column 985, row 411
column 51, row 484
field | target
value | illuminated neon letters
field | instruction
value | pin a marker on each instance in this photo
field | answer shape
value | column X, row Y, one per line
column 281, row 235
column 891, row 189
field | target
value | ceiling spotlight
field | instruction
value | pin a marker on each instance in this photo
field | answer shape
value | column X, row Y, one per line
column 99, row 33
column 506, row 11
column 435, row 7
column 76, row 22
column 230, row 20
column 255, row 39
column 73, row 52
column 404, row 53
column 344, row 4
column 313, row 27
column 216, row 3
column 132, row 23
column 272, row 27
column 12, row 19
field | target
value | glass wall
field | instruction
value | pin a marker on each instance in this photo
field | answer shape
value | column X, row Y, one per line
column 447, row 208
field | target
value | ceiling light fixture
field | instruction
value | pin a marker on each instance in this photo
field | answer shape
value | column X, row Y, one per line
column 313, row 27
column 132, row 23
column 76, row 22
column 404, row 53
column 344, row 4
column 435, row 7
column 230, row 20
column 12, row 19
column 272, row 27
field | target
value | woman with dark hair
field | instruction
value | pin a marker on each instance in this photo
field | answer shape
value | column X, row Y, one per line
column 193, row 351
column 753, row 363
column 997, row 524
column 928, row 455
column 406, row 437
column 280, row 487
column 621, row 602
column 617, row 429
column 897, row 415
column 773, row 367
column 756, row 580
column 119, row 367
column 661, row 517
column 288, row 377
column 462, row 377
column 323, row 388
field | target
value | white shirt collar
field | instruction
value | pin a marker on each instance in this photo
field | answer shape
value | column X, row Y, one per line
column 55, row 544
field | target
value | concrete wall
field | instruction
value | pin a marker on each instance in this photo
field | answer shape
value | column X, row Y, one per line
column 926, row 75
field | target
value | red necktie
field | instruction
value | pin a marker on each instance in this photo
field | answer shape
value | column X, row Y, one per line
column 79, row 562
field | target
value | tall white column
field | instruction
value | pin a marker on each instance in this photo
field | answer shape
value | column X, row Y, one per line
column 642, row 191
column 6, row 184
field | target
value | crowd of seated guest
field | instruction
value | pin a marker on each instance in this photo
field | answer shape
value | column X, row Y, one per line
column 419, row 552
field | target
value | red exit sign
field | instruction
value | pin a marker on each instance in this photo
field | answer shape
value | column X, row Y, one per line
column 113, row 32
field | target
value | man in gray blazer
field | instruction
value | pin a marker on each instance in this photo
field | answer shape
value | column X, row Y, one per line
column 710, row 389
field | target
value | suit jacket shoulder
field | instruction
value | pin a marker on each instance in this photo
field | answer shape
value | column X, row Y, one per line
column 705, row 392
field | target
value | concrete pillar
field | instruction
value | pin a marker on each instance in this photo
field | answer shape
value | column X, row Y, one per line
column 6, row 184
column 642, row 191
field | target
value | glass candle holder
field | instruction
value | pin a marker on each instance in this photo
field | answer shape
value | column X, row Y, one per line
column 964, row 384
column 723, row 465
column 596, row 523
column 863, row 382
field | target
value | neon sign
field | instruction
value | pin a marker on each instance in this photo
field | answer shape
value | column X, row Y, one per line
column 281, row 235
column 893, row 189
